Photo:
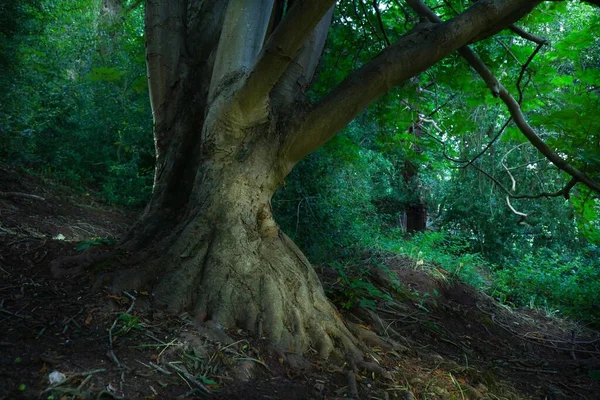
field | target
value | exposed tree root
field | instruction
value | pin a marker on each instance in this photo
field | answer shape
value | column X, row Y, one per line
column 234, row 276
column 79, row 264
column 259, row 282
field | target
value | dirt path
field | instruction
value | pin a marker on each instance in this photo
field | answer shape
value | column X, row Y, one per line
column 444, row 340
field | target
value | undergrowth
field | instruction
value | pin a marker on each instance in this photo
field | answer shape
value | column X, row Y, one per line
column 554, row 283
column 546, row 280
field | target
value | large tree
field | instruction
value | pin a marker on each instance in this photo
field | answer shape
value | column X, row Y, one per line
column 231, row 119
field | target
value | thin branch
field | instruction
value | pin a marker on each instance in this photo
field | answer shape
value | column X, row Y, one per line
column 444, row 104
column 366, row 14
column 508, row 50
column 380, row 20
column 482, row 152
column 564, row 192
column 512, row 179
column 524, row 68
column 407, row 17
column 513, row 106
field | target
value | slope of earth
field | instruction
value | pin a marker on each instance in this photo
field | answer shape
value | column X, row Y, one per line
column 432, row 338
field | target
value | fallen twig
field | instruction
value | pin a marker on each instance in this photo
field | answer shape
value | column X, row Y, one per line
column 70, row 377
column 158, row 368
column 86, row 380
column 15, row 314
column 190, row 377
column 110, row 331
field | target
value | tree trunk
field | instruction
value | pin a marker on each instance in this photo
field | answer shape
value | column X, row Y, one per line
column 225, row 259
column 414, row 210
column 207, row 242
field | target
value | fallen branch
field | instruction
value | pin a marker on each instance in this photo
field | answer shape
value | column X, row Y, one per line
column 8, row 195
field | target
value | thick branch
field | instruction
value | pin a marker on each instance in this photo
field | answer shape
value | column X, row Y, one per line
column 411, row 54
column 205, row 22
column 513, row 106
column 279, row 51
column 242, row 37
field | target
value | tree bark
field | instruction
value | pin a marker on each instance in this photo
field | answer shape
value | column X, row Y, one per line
column 227, row 260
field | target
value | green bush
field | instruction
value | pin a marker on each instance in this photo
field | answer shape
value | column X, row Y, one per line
column 553, row 281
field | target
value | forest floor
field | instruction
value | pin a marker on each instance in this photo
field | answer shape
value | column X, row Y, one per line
column 447, row 340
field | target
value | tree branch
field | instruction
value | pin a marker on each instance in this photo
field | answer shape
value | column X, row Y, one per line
column 526, row 35
column 513, row 106
column 524, row 68
column 490, row 143
column 241, row 41
column 279, row 51
column 564, row 192
column 380, row 21
column 412, row 53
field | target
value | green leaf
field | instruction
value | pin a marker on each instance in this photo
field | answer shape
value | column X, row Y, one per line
column 562, row 81
column 206, row 380
column 108, row 74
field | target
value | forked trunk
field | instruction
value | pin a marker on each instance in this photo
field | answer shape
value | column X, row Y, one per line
column 207, row 242
column 223, row 77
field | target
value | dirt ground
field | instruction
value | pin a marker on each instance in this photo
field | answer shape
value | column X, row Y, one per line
column 69, row 338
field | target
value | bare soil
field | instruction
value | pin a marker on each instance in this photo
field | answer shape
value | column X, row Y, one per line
column 437, row 339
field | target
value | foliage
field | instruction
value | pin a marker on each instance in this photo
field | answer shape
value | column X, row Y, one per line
column 353, row 288
column 77, row 109
column 127, row 323
column 333, row 190
column 552, row 280
column 452, row 253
